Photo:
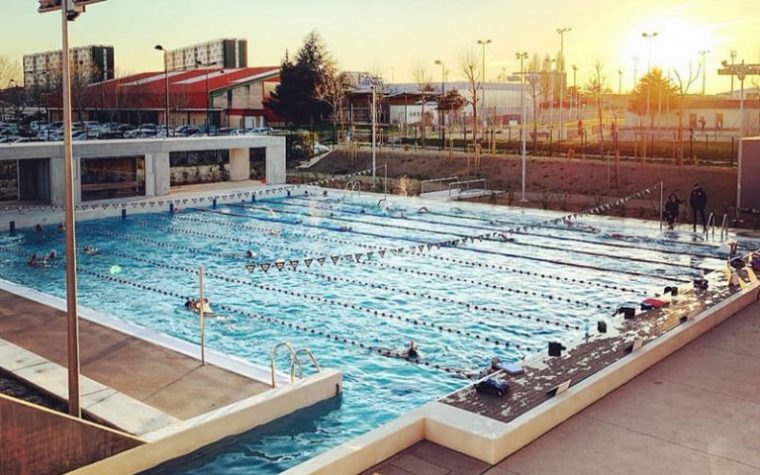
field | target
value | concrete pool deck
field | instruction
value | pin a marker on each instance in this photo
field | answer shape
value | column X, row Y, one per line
column 697, row 411
column 166, row 380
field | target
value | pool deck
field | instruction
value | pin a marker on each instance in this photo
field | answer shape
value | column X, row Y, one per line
column 134, row 374
column 696, row 412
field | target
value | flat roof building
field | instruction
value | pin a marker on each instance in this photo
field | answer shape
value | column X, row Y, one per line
column 89, row 64
column 223, row 53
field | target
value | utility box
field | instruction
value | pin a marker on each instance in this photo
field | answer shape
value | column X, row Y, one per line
column 748, row 180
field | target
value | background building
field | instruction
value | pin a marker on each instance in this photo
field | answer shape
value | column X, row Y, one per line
column 224, row 53
column 89, row 64
column 224, row 97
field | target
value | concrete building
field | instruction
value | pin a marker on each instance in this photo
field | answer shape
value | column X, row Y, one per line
column 105, row 169
column 234, row 98
column 89, row 64
column 223, row 53
column 706, row 113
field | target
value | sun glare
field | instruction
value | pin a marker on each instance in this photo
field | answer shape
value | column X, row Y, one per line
column 678, row 41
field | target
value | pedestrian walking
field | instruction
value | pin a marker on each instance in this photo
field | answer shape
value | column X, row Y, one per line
column 698, row 204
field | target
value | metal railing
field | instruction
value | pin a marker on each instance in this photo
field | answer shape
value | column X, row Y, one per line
column 293, row 361
column 724, row 227
column 311, row 357
column 437, row 183
column 466, row 185
column 710, row 226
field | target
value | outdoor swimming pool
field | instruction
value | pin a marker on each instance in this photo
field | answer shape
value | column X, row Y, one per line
column 359, row 300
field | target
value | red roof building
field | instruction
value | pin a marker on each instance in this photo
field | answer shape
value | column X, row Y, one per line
column 232, row 97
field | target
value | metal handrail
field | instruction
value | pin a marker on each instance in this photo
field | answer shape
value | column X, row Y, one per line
column 724, row 227
column 293, row 361
column 435, row 180
column 311, row 357
column 710, row 222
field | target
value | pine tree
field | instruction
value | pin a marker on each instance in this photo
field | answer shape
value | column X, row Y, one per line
column 295, row 98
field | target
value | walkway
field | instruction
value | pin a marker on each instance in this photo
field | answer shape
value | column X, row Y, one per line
column 696, row 412
column 165, row 380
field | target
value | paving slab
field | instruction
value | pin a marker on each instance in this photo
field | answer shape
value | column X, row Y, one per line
column 169, row 381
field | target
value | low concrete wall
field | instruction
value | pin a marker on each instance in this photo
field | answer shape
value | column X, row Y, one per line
column 490, row 440
column 36, row 440
column 189, row 436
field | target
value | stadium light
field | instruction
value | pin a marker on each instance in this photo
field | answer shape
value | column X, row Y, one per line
column 73, row 7
column 70, row 10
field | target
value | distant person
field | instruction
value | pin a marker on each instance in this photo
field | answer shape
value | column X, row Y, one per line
column 53, row 255
column 32, row 261
column 89, row 250
column 38, row 228
column 411, row 353
column 671, row 209
column 698, row 204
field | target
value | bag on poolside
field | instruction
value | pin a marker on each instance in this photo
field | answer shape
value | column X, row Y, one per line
column 492, row 387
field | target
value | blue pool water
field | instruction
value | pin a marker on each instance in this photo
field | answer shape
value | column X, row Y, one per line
column 548, row 284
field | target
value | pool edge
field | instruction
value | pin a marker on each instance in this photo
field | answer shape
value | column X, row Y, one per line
column 491, row 441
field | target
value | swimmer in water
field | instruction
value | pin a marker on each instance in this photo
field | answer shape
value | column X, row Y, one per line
column 423, row 210
column 38, row 228
column 250, row 254
column 52, row 256
column 412, row 353
column 89, row 250
column 32, row 261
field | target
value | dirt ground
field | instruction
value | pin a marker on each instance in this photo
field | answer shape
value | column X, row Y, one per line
column 555, row 183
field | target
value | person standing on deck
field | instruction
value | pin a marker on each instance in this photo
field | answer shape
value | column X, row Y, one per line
column 671, row 209
column 698, row 204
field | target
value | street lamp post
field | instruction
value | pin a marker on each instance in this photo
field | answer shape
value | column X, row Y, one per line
column 441, row 121
column 649, row 36
column 576, row 99
column 561, row 32
column 484, row 43
column 703, row 53
column 69, row 12
column 522, row 56
column 166, row 88
column 733, row 58
column 620, row 81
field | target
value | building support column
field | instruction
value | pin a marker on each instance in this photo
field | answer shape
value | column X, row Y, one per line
column 240, row 164
column 158, row 176
column 275, row 165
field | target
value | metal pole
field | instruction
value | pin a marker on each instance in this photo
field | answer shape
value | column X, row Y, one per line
column 202, row 316
column 561, row 32
column 741, row 102
column 72, row 319
column 208, row 107
column 523, row 133
column 166, row 90
column 373, row 111
column 661, row 201
column 385, row 191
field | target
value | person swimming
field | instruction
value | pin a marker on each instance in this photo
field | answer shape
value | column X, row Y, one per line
column 195, row 305
column 33, row 261
column 250, row 254
column 345, row 228
column 38, row 228
column 423, row 210
column 53, row 255
column 89, row 250
column 412, row 353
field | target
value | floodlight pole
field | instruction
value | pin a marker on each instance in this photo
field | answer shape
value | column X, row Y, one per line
column 374, row 133
column 72, row 318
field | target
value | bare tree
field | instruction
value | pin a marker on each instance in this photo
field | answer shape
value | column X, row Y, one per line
column 597, row 88
column 331, row 89
column 9, row 71
column 425, row 88
column 683, row 83
column 469, row 64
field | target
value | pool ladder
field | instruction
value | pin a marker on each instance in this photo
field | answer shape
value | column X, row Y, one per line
column 294, row 361
column 352, row 186
column 710, row 228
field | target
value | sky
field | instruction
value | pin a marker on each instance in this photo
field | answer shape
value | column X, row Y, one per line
column 395, row 37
